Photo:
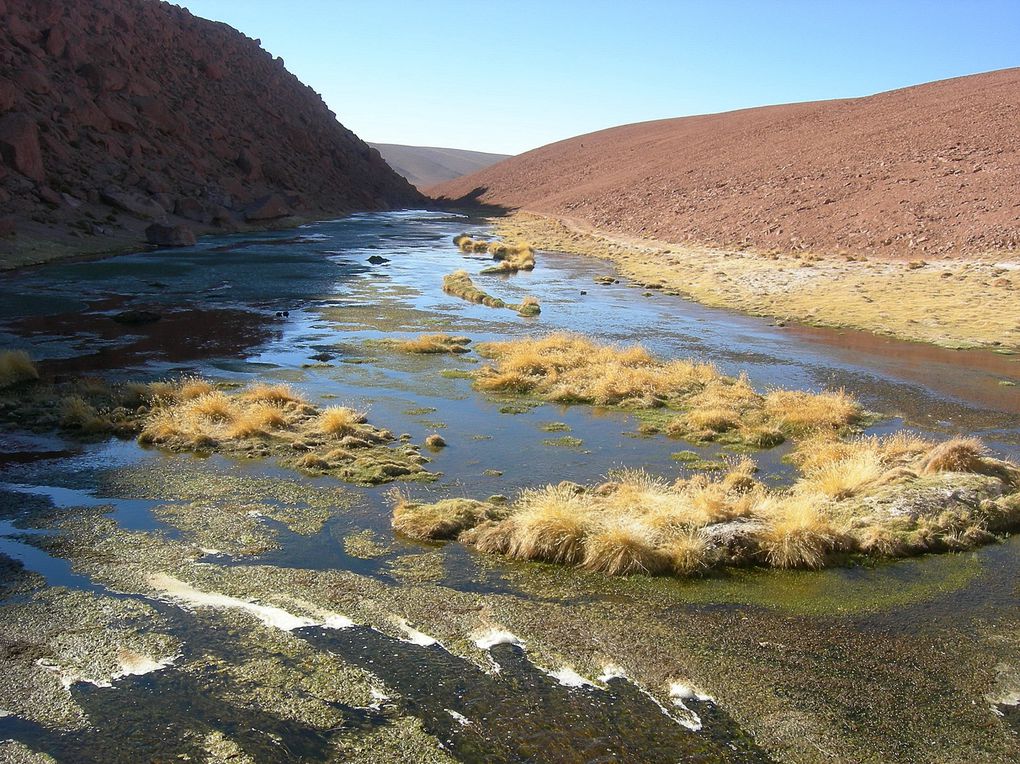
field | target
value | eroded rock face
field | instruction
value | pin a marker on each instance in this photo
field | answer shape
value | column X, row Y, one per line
column 147, row 113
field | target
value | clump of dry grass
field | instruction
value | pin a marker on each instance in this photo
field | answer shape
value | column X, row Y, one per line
column 16, row 367
column 212, row 405
column 435, row 441
column 511, row 261
column 571, row 369
column 257, row 420
column 529, row 306
column 78, row 414
column 338, row 421
column 275, row 395
column 432, row 343
column 441, row 520
column 499, row 250
column 956, row 455
column 798, row 532
column 877, row 498
column 459, row 284
column 798, row 411
column 267, row 419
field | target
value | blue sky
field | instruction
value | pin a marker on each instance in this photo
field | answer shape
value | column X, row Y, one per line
column 513, row 75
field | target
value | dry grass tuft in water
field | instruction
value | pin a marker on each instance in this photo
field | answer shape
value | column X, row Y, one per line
column 16, row 367
column 431, row 343
column 442, row 520
column 511, row 261
column 276, row 395
column 459, row 284
column 878, row 498
column 338, row 421
column 571, row 369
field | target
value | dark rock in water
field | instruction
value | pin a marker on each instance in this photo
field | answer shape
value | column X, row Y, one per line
column 267, row 208
column 170, row 235
column 286, row 313
column 378, row 260
column 584, row 291
column 322, row 357
column 137, row 317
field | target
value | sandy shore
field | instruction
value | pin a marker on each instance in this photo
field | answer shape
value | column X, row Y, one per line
column 960, row 303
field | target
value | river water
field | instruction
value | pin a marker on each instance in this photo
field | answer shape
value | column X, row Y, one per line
column 846, row 664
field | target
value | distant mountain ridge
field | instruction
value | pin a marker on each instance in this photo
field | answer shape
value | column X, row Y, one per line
column 425, row 166
column 115, row 114
column 931, row 170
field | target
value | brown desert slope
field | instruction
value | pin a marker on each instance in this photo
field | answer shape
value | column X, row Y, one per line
column 426, row 166
column 118, row 113
column 926, row 171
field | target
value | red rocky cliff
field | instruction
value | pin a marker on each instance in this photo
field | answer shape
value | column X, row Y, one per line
column 117, row 114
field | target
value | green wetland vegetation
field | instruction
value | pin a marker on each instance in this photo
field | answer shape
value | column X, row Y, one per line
column 404, row 524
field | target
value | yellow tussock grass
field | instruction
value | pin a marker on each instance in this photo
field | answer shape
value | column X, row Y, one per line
column 256, row 420
column 338, row 421
column 277, row 395
column 433, row 343
column 16, row 367
column 799, row 533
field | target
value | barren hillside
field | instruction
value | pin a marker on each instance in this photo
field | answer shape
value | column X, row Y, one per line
column 118, row 113
column 426, row 166
column 926, row 171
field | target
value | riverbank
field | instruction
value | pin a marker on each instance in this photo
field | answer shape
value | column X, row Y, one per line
column 965, row 303
column 37, row 244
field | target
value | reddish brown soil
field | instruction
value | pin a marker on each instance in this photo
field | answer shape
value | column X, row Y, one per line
column 118, row 113
column 926, row 171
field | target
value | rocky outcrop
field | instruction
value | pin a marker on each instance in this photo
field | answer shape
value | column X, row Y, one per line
column 169, row 235
column 117, row 114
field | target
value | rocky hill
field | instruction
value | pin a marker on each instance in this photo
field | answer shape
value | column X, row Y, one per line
column 926, row 171
column 426, row 166
column 117, row 114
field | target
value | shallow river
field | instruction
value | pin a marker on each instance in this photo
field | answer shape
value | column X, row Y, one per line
column 448, row 653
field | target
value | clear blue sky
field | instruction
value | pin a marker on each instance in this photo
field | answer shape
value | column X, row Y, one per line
column 513, row 75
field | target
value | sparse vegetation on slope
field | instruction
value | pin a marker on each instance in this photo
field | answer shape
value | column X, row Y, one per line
column 882, row 498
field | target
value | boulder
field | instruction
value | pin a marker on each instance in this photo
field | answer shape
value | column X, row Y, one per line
column 19, row 145
column 33, row 81
column 56, row 41
column 269, row 207
column 8, row 95
column 192, row 209
column 169, row 235
column 136, row 204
